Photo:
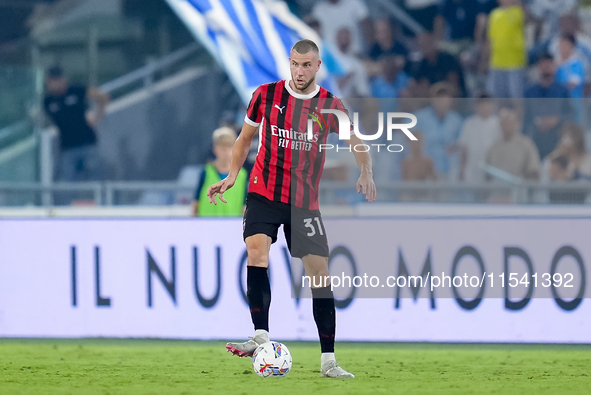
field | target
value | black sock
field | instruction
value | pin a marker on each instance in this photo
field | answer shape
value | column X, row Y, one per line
column 324, row 315
column 258, row 292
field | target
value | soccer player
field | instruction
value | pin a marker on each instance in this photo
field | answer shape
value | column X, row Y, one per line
column 283, row 190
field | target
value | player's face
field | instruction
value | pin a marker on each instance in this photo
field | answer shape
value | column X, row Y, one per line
column 303, row 69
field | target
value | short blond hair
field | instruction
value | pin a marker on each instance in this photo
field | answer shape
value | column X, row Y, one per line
column 304, row 46
column 224, row 135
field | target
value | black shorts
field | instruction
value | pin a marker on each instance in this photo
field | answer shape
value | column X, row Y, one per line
column 303, row 229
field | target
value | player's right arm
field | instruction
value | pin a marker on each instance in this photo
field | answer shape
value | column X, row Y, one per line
column 253, row 119
column 239, row 154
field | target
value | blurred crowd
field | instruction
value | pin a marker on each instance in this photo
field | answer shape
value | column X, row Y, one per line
column 496, row 83
column 478, row 46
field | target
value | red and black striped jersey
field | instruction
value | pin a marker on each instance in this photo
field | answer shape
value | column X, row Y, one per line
column 289, row 163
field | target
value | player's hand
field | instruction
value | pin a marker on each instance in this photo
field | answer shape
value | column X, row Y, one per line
column 219, row 188
column 366, row 185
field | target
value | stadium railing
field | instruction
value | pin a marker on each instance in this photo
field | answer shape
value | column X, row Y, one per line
column 139, row 193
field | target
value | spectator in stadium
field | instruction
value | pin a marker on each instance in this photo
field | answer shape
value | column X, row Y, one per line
column 417, row 166
column 572, row 147
column 570, row 24
column 355, row 82
column 569, row 161
column 478, row 134
column 514, row 152
column 385, row 41
column 67, row 107
column 559, row 169
column 435, row 66
column 456, row 24
column 335, row 15
column 385, row 45
column 392, row 80
column 558, row 172
column 423, row 11
column 547, row 107
column 507, row 50
column 223, row 142
column 441, row 127
column 571, row 71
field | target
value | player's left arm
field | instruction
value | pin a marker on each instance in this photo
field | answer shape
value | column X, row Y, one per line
column 365, row 182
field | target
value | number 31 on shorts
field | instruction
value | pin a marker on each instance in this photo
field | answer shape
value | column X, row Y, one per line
column 310, row 225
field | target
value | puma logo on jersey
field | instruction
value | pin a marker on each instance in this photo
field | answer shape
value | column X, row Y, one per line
column 279, row 108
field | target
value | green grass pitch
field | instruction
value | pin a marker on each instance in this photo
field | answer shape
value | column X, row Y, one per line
column 111, row 366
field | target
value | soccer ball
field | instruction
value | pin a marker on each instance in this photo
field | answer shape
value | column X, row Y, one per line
column 271, row 359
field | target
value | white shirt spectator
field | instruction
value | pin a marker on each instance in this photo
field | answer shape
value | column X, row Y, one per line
column 343, row 14
column 477, row 136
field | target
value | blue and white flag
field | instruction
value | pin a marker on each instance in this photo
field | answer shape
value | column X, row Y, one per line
column 250, row 39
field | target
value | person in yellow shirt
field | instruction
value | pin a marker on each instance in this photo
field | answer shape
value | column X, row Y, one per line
column 508, row 53
column 223, row 142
